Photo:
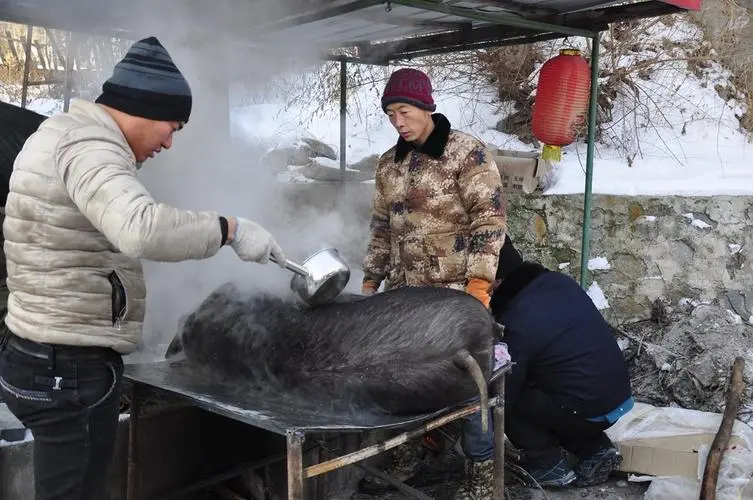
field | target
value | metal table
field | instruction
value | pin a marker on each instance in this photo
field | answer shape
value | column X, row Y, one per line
column 275, row 414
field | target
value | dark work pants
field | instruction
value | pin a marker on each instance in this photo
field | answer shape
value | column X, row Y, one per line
column 541, row 427
column 69, row 397
column 477, row 445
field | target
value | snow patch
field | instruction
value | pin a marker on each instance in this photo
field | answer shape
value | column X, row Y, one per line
column 27, row 437
column 597, row 296
column 598, row 263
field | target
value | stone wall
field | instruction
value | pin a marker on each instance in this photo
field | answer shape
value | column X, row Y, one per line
column 672, row 248
column 644, row 248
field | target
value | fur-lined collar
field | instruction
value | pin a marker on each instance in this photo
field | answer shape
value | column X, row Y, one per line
column 520, row 278
column 434, row 145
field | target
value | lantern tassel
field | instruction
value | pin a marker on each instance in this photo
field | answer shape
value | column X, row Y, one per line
column 551, row 153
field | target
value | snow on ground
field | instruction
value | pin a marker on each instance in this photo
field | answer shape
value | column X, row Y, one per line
column 368, row 130
column 681, row 138
column 597, row 296
column 27, row 437
column 600, row 263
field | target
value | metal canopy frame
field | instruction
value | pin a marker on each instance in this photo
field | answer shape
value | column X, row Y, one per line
column 497, row 30
column 371, row 32
column 498, row 34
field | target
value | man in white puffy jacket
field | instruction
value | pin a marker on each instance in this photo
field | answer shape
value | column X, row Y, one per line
column 77, row 222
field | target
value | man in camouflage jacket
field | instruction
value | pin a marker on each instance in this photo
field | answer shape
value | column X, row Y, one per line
column 438, row 219
column 438, row 213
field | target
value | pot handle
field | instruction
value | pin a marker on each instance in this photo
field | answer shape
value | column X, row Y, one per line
column 292, row 266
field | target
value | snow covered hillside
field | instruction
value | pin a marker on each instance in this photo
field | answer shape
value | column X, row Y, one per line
column 670, row 132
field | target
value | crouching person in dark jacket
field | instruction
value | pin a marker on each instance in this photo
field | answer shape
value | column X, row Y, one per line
column 570, row 381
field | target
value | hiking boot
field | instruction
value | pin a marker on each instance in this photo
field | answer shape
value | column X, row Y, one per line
column 554, row 476
column 405, row 462
column 596, row 468
column 478, row 482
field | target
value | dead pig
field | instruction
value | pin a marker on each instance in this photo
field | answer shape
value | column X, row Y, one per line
column 406, row 351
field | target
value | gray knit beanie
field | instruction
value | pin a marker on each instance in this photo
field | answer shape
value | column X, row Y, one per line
column 147, row 83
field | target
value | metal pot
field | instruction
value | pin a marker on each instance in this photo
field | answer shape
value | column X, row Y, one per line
column 321, row 277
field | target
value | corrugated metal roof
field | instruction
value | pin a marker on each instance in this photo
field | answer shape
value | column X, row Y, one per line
column 373, row 30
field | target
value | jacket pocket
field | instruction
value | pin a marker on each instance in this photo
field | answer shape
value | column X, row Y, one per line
column 446, row 263
column 24, row 394
column 119, row 300
column 94, row 392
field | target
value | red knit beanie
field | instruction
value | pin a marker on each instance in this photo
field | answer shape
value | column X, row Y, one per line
column 409, row 86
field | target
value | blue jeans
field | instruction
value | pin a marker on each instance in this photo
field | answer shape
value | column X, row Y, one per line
column 69, row 398
column 477, row 445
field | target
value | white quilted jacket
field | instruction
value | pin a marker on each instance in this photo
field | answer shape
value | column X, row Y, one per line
column 77, row 221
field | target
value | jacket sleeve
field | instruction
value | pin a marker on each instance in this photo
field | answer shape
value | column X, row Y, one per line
column 481, row 192
column 101, row 180
column 376, row 262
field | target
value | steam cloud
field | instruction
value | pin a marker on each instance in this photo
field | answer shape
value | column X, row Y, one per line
column 206, row 170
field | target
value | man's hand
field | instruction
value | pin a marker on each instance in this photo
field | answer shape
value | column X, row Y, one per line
column 369, row 287
column 479, row 289
column 253, row 243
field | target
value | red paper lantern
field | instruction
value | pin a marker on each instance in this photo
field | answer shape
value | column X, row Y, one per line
column 561, row 103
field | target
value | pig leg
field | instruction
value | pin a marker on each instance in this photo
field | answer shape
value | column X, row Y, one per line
column 464, row 360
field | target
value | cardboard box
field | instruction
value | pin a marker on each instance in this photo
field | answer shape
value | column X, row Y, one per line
column 661, row 441
column 521, row 172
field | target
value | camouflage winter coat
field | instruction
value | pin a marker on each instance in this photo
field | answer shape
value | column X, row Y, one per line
column 438, row 213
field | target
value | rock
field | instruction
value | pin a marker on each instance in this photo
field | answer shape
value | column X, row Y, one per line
column 367, row 164
column 301, row 154
column 672, row 247
column 314, row 156
column 279, row 159
column 316, row 148
column 691, row 358
column 737, row 302
column 319, row 170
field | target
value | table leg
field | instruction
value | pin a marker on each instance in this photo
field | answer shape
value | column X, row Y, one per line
column 499, row 439
column 132, row 485
column 295, row 465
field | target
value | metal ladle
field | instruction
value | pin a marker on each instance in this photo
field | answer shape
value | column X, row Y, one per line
column 320, row 278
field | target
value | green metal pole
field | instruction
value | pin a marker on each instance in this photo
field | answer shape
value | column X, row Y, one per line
column 343, row 118
column 585, row 247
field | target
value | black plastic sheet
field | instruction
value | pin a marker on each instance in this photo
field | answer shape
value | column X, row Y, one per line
column 275, row 413
column 16, row 125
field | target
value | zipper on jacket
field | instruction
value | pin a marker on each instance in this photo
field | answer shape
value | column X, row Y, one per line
column 119, row 300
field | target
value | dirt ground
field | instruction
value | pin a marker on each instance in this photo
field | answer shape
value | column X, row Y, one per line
column 616, row 489
column 441, row 477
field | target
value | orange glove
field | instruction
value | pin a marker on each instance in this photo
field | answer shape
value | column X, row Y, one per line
column 480, row 289
column 369, row 287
